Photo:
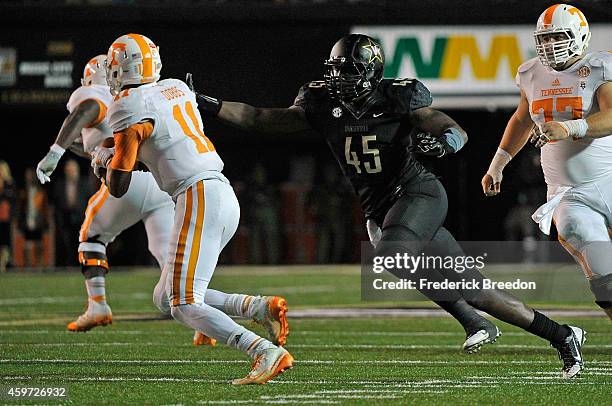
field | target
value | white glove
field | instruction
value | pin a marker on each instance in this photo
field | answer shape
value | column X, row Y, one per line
column 47, row 165
column 100, row 158
column 537, row 137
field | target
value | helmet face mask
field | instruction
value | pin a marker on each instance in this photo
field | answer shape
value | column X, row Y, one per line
column 354, row 68
column 562, row 34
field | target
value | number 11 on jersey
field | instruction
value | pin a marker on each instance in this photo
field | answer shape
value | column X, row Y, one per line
column 202, row 142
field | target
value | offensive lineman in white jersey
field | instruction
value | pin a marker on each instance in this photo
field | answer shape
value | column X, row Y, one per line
column 105, row 216
column 158, row 123
column 567, row 93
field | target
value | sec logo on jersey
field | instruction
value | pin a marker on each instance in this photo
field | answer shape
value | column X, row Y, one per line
column 337, row 112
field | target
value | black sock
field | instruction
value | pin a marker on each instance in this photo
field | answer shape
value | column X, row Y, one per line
column 464, row 313
column 548, row 329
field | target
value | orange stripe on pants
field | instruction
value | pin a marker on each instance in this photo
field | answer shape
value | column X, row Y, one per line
column 195, row 244
column 576, row 254
column 92, row 213
column 180, row 251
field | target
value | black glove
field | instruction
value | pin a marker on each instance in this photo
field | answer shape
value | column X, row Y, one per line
column 207, row 104
column 427, row 144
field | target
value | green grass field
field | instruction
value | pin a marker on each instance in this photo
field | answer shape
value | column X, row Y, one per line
column 142, row 359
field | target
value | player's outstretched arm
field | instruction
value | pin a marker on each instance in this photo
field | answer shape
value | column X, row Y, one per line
column 85, row 114
column 250, row 118
column 440, row 136
column 514, row 139
column 272, row 120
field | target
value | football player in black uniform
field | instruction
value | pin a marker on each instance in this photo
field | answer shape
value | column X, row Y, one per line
column 367, row 121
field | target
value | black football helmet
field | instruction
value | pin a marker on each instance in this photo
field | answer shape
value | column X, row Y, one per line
column 354, row 68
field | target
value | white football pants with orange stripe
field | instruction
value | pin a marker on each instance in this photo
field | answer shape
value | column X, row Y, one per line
column 206, row 218
column 584, row 219
column 107, row 216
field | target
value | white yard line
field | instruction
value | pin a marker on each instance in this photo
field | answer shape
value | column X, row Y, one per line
column 293, row 333
column 289, row 346
column 303, row 362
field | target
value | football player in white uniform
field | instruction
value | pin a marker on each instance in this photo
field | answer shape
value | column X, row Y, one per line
column 84, row 130
column 158, row 123
column 566, row 109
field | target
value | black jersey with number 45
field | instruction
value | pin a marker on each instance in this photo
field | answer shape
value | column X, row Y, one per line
column 372, row 144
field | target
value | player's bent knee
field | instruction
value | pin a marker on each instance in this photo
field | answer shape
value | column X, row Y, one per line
column 161, row 300
column 578, row 232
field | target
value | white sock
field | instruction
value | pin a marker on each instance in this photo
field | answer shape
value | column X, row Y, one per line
column 249, row 342
column 218, row 325
column 216, row 299
column 96, row 289
column 249, row 307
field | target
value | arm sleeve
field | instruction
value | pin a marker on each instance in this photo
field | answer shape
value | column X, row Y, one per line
column 127, row 143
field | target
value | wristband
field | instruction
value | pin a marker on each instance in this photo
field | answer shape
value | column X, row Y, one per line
column 209, row 104
column 454, row 138
column 57, row 149
column 499, row 162
column 575, row 128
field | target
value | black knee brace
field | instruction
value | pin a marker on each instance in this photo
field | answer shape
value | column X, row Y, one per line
column 93, row 264
column 602, row 289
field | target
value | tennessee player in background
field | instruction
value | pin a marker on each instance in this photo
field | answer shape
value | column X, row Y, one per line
column 566, row 93
column 84, row 130
column 157, row 123
column 370, row 124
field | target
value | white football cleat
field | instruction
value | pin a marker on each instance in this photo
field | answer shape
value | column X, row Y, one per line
column 268, row 364
column 97, row 314
column 486, row 335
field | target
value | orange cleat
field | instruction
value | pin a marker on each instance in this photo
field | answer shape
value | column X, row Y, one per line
column 268, row 364
column 97, row 314
column 275, row 320
column 201, row 339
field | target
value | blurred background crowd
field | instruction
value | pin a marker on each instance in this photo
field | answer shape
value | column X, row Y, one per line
column 296, row 206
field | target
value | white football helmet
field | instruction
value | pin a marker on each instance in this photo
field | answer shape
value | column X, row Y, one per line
column 95, row 71
column 132, row 59
column 571, row 28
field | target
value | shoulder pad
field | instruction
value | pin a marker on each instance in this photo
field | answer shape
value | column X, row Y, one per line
column 309, row 92
column 602, row 60
column 406, row 94
column 525, row 66
column 88, row 92
column 128, row 108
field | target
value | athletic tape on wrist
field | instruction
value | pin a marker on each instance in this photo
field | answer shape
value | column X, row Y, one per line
column 57, row 149
column 576, row 128
column 499, row 162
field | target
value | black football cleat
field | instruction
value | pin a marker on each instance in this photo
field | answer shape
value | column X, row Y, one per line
column 570, row 352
